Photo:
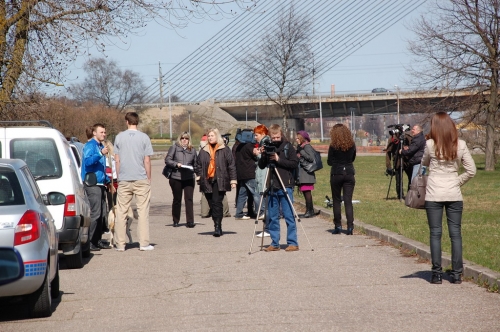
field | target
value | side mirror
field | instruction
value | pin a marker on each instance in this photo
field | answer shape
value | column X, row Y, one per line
column 11, row 266
column 90, row 179
column 54, row 198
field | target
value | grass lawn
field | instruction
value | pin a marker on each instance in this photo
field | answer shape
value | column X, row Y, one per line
column 480, row 220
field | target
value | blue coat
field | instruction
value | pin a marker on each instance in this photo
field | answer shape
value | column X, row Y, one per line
column 93, row 161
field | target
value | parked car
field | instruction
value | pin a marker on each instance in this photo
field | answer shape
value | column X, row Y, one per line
column 77, row 148
column 53, row 164
column 29, row 265
column 380, row 90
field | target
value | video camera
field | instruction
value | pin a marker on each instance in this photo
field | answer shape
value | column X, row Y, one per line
column 225, row 138
column 398, row 128
column 267, row 144
column 245, row 136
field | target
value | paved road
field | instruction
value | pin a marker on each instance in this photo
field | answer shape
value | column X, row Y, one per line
column 193, row 281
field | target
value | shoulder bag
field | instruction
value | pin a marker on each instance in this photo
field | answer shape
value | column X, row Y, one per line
column 314, row 166
column 415, row 198
column 167, row 170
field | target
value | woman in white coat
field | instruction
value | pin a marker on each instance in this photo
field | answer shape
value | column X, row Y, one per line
column 443, row 154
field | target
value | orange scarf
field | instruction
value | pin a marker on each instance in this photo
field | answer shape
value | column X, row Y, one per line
column 211, row 165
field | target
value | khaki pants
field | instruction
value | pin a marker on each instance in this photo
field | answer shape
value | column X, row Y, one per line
column 126, row 190
column 205, row 208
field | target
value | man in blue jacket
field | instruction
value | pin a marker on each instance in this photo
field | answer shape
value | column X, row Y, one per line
column 94, row 161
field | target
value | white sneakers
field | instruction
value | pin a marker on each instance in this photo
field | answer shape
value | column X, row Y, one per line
column 242, row 218
column 265, row 234
column 261, row 217
column 148, row 248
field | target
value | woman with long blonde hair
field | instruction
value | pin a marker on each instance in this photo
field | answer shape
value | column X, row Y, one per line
column 443, row 154
column 216, row 173
column 341, row 154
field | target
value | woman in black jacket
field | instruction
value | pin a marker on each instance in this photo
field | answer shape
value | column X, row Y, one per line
column 181, row 157
column 341, row 154
column 216, row 173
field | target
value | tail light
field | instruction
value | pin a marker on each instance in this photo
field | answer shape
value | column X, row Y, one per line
column 28, row 228
column 70, row 206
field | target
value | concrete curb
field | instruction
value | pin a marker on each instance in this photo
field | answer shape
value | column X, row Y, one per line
column 480, row 274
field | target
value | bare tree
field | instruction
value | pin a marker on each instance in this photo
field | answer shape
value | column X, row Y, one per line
column 457, row 47
column 283, row 64
column 38, row 39
column 106, row 83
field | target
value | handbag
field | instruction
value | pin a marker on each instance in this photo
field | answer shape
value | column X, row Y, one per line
column 167, row 170
column 415, row 198
column 315, row 165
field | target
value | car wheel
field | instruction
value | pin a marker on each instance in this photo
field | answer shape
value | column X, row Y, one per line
column 75, row 261
column 86, row 249
column 54, row 285
column 40, row 302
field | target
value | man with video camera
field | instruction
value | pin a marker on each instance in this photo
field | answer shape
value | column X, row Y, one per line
column 414, row 151
column 281, row 159
column 394, row 159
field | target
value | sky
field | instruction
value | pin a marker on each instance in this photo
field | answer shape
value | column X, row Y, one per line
column 379, row 64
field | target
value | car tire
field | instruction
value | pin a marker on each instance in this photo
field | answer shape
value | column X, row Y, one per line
column 40, row 302
column 86, row 249
column 75, row 261
column 54, row 285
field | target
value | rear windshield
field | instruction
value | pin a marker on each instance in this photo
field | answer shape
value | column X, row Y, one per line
column 10, row 189
column 40, row 155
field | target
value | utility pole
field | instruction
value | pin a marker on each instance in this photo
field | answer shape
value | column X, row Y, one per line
column 170, row 110
column 161, row 98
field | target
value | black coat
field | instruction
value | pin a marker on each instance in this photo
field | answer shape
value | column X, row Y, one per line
column 225, row 170
column 341, row 161
column 177, row 154
column 286, row 165
column 415, row 150
column 245, row 161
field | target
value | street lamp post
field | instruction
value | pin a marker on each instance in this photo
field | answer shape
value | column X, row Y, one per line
column 161, row 98
column 246, row 117
column 320, row 113
column 170, row 111
column 189, row 122
column 353, row 125
column 256, row 114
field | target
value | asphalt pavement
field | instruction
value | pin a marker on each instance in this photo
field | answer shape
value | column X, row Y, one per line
column 193, row 281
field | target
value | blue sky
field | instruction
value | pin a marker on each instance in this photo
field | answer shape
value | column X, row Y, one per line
column 380, row 63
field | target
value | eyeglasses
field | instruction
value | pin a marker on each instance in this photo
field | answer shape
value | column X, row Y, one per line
column 185, row 138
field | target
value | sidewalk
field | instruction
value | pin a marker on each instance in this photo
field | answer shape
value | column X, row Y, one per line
column 193, row 281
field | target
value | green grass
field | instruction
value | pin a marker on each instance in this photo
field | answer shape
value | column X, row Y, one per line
column 480, row 220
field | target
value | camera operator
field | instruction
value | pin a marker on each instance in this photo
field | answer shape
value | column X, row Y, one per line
column 414, row 151
column 393, row 154
column 281, row 158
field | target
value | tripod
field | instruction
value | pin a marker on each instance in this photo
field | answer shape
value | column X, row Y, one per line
column 272, row 168
column 399, row 157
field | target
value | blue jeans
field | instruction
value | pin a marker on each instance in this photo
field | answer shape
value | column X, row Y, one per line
column 247, row 187
column 278, row 198
column 434, row 212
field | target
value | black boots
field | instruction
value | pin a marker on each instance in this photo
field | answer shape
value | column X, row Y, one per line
column 218, row 227
column 337, row 230
column 436, row 278
column 309, row 211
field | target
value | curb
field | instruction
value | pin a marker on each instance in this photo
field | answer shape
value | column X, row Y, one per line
column 480, row 274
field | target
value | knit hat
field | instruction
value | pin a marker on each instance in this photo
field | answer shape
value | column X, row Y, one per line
column 304, row 134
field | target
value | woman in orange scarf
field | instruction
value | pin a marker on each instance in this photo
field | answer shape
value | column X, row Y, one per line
column 216, row 174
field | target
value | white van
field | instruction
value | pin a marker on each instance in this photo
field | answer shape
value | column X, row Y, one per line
column 50, row 158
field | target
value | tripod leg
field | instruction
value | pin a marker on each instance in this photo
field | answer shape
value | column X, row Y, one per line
column 264, row 194
column 388, row 189
column 293, row 208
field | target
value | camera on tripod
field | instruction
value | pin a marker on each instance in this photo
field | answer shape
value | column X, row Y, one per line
column 267, row 144
column 398, row 128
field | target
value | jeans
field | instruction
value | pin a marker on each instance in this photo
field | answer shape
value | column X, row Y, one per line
column 342, row 185
column 434, row 212
column 179, row 186
column 96, row 196
column 278, row 198
column 247, row 187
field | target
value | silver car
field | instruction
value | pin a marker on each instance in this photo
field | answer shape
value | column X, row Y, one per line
column 29, row 266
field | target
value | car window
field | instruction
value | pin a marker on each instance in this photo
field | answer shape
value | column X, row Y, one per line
column 10, row 189
column 39, row 154
column 77, row 155
column 32, row 184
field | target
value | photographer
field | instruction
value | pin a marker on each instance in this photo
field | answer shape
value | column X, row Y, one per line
column 282, row 159
column 393, row 154
column 414, row 151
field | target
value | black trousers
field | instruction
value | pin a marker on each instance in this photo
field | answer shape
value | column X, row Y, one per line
column 97, row 200
column 342, row 185
column 178, row 187
column 215, row 202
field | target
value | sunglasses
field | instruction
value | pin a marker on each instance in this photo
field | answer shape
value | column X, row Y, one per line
column 185, row 138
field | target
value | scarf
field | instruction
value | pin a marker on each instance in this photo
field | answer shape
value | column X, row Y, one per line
column 211, row 165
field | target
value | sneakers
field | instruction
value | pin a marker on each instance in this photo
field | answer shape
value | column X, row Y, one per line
column 292, row 248
column 148, row 248
column 120, row 249
column 265, row 234
column 271, row 248
column 242, row 218
column 261, row 217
